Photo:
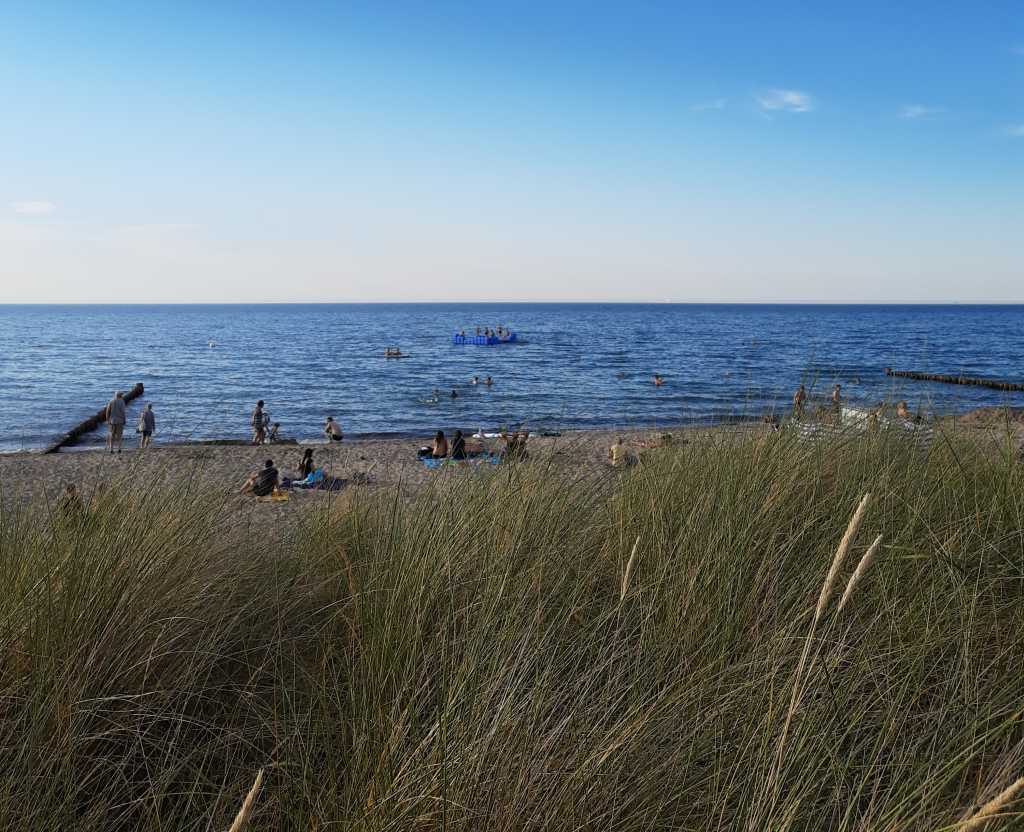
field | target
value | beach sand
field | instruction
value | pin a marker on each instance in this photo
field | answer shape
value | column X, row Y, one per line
column 29, row 477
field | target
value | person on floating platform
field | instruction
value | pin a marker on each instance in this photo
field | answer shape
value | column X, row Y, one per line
column 332, row 430
column 799, row 399
column 263, row 482
column 439, row 450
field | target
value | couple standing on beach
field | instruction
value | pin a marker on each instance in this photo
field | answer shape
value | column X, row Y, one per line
column 117, row 414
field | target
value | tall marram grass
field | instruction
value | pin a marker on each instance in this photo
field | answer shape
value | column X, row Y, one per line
column 531, row 647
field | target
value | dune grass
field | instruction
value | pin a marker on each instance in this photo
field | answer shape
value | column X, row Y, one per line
column 530, row 648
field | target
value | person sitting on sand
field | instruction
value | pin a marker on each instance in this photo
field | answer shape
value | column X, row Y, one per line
column 275, row 431
column 147, row 426
column 306, row 465
column 116, row 417
column 70, row 507
column 902, row 412
column 256, row 421
column 658, row 380
column 799, row 398
column 332, row 430
column 515, row 445
column 458, row 450
column 263, row 482
column 618, row 453
column 439, row 450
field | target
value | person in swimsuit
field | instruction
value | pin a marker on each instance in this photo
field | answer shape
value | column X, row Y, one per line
column 306, row 466
column 439, row 450
column 799, row 398
column 256, row 421
column 332, row 430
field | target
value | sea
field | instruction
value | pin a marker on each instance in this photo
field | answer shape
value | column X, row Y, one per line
column 575, row 366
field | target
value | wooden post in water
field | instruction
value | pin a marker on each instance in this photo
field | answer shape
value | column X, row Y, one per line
column 91, row 423
column 967, row 380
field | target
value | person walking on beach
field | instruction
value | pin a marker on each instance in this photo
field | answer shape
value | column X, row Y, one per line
column 116, row 413
column 798, row 403
column 147, row 426
column 256, row 420
column 837, row 402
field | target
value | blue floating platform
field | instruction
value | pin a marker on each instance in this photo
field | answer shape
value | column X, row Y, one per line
column 483, row 340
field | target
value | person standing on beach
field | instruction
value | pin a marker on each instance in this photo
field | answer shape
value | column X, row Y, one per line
column 116, row 413
column 837, row 402
column 257, row 424
column 147, row 426
column 798, row 403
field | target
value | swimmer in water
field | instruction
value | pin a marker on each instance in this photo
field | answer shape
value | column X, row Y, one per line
column 476, row 380
column 658, row 380
column 455, row 394
column 488, row 382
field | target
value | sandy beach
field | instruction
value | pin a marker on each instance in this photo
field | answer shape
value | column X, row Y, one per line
column 221, row 469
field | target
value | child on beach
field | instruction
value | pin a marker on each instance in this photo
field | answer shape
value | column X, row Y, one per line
column 147, row 426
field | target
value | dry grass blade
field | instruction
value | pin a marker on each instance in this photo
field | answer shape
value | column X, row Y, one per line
column 250, row 799
column 629, row 570
column 988, row 812
column 837, row 561
column 858, row 573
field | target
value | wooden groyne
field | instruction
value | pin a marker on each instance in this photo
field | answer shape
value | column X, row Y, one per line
column 90, row 424
column 973, row 382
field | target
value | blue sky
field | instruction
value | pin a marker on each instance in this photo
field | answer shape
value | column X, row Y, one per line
column 527, row 151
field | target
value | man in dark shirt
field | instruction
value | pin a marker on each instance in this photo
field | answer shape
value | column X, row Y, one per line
column 263, row 482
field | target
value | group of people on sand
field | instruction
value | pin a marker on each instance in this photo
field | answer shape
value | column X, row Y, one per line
column 266, row 433
column 268, row 480
column 116, row 416
column 459, row 450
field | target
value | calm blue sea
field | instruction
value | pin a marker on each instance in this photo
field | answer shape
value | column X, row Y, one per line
column 579, row 366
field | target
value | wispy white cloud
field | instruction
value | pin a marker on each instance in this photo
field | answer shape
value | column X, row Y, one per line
column 33, row 207
column 717, row 104
column 790, row 101
column 919, row 111
column 1016, row 130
